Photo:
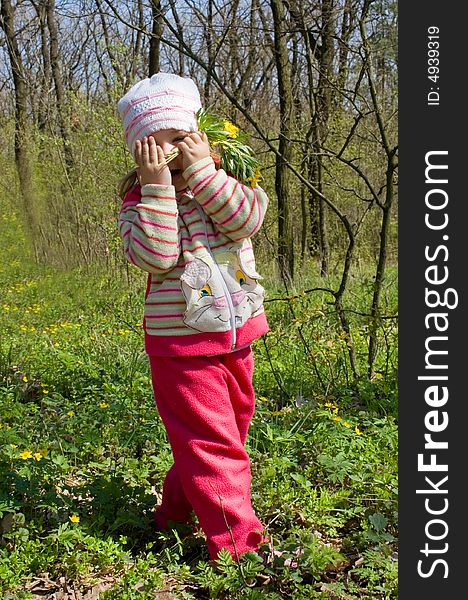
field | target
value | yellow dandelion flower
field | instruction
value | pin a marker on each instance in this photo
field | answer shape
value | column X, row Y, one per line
column 231, row 129
column 335, row 410
column 346, row 424
column 253, row 181
column 74, row 519
column 357, row 430
column 103, row 405
column 26, row 454
column 338, row 419
column 70, row 413
column 38, row 456
column 25, row 379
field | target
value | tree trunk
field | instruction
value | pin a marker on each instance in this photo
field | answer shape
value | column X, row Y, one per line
column 23, row 158
column 324, row 104
column 155, row 40
column 285, row 148
column 180, row 32
column 138, row 41
column 347, row 25
column 44, row 111
column 380, row 271
column 58, row 83
column 108, row 42
column 210, row 52
column 386, row 206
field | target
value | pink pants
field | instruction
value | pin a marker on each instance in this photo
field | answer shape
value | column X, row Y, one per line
column 206, row 404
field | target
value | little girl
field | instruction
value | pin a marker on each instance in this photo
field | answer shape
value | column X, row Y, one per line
column 189, row 224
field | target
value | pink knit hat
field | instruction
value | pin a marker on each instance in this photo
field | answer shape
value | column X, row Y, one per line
column 163, row 101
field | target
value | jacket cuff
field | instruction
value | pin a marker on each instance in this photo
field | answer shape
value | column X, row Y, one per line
column 154, row 191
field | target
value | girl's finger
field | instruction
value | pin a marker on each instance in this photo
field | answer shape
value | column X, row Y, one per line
column 196, row 137
column 160, row 155
column 189, row 141
column 138, row 152
column 152, row 150
column 183, row 147
column 144, row 150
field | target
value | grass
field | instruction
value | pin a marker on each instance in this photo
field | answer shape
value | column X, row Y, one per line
column 83, row 452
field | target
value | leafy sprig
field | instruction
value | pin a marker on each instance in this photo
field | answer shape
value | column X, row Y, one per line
column 237, row 157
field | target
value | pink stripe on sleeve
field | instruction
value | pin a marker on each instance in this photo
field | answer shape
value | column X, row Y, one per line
column 152, row 237
column 155, row 252
column 234, row 213
column 223, row 205
column 158, row 197
column 157, row 211
column 246, row 221
column 137, row 261
column 199, row 170
column 197, row 189
column 215, row 195
column 258, row 223
column 158, row 225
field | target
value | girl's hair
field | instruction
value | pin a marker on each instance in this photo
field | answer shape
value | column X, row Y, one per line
column 127, row 183
column 130, row 180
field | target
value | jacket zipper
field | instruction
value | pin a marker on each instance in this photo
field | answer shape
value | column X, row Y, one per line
column 223, row 282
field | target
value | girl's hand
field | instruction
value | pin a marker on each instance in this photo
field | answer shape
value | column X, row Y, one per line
column 194, row 147
column 151, row 162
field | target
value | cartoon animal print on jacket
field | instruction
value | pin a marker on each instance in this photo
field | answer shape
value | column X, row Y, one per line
column 208, row 308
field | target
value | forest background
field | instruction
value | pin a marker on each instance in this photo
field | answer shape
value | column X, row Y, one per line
column 83, row 453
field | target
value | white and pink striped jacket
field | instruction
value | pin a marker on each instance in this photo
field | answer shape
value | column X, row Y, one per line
column 203, row 295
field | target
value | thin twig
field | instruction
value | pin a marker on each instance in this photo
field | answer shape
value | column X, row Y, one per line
column 241, row 570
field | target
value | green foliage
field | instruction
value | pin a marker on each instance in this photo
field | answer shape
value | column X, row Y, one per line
column 237, row 157
column 83, row 452
column 306, row 354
